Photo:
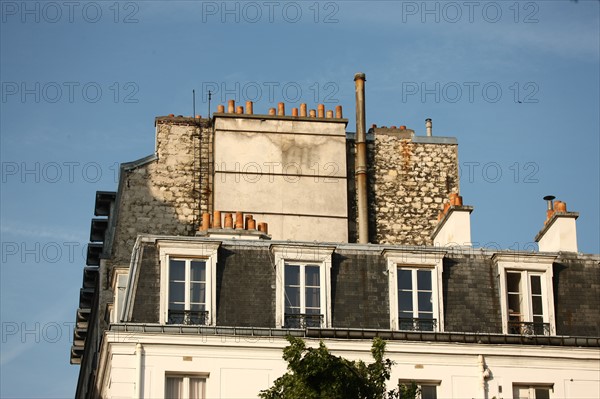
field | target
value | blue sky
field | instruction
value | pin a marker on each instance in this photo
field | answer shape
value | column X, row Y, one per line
column 516, row 82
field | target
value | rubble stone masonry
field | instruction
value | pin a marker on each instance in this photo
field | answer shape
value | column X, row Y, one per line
column 409, row 179
column 165, row 194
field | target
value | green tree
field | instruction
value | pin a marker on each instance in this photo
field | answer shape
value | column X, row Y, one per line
column 315, row 373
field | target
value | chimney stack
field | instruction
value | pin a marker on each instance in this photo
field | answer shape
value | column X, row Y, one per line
column 559, row 233
column 428, row 126
column 454, row 224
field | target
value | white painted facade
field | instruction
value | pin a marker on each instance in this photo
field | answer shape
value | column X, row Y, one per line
column 560, row 234
column 455, row 228
column 241, row 366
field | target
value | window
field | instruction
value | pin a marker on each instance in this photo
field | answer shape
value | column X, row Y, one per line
column 415, row 300
column 526, row 293
column 526, row 307
column 186, row 386
column 302, row 296
column 187, row 291
column 418, row 389
column 303, row 289
column 188, row 277
column 415, row 290
column 532, row 391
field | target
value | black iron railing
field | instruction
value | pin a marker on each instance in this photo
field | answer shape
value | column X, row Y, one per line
column 303, row 320
column 528, row 328
column 189, row 317
column 409, row 324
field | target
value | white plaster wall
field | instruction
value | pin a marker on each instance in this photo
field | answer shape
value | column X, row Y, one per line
column 560, row 236
column 291, row 173
column 456, row 231
column 239, row 367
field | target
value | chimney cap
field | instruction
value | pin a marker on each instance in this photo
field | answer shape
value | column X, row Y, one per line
column 360, row 75
column 428, row 120
column 549, row 197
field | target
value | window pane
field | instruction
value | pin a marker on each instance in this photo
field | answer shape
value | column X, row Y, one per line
column 428, row 392
column 313, row 298
column 405, row 301
column 292, row 275
column 542, row 393
column 174, row 388
column 425, row 304
column 513, row 282
column 536, row 285
column 197, row 307
column 292, row 297
column 196, row 388
column 514, row 303
column 197, row 292
column 537, row 306
column 177, row 306
column 424, row 280
column 520, row 392
column 177, row 270
column 177, row 292
column 312, row 275
column 404, row 279
column 198, row 271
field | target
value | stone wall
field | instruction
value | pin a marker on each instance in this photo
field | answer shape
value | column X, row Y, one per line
column 164, row 194
column 409, row 179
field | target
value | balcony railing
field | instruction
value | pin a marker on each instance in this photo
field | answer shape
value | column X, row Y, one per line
column 189, row 317
column 303, row 320
column 528, row 328
column 408, row 324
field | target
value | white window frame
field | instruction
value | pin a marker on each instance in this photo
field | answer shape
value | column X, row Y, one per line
column 302, row 254
column 202, row 250
column 528, row 264
column 416, row 260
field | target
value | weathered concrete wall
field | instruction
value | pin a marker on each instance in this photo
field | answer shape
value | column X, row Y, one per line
column 409, row 179
column 287, row 171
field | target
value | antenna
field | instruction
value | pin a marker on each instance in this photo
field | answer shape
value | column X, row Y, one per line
column 193, row 103
column 209, row 98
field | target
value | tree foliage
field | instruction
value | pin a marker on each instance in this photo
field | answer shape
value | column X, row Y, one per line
column 316, row 373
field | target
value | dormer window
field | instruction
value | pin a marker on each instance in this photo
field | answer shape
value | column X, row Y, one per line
column 303, row 290
column 187, row 292
column 526, row 296
column 188, row 282
column 415, row 290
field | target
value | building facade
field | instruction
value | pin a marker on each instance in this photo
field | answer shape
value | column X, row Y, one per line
column 244, row 228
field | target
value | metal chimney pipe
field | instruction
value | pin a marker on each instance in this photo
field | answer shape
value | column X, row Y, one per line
column 428, row 126
column 548, row 199
column 361, row 159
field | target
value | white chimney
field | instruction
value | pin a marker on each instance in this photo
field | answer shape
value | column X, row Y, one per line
column 454, row 225
column 560, row 231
